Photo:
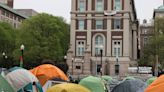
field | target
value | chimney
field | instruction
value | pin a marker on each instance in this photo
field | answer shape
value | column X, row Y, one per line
column 10, row 3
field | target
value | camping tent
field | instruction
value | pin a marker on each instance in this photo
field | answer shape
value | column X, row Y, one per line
column 52, row 82
column 107, row 78
column 47, row 71
column 95, row 84
column 157, row 85
column 150, row 80
column 5, row 86
column 21, row 79
column 130, row 86
column 68, row 87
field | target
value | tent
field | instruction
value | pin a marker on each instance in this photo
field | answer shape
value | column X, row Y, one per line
column 68, row 87
column 52, row 82
column 21, row 80
column 129, row 78
column 150, row 80
column 157, row 85
column 47, row 71
column 112, row 83
column 130, row 86
column 5, row 86
column 94, row 84
column 107, row 78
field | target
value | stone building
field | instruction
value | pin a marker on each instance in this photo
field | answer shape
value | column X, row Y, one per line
column 8, row 14
column 103, row 35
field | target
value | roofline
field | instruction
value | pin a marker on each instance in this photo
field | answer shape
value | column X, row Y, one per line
column 12, row 10
column 157, row 11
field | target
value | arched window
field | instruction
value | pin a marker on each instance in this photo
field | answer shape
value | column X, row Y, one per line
column 99, row 42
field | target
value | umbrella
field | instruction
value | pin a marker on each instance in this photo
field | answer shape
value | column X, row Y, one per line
column 95, row 84
column 150, row 80
column 5, row 86
column 22, row 79
column 157, row 85
column 47, row 71
column 130, row 86
column 68, row 87
column 107, row 78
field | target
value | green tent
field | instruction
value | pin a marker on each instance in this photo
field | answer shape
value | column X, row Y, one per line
column 5, row 86
column 150, row 80
column 94, row 84
column 107, row 78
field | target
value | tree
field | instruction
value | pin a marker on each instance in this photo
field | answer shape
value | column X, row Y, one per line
column 7, row 43
column 155, row 48
column 45, row 37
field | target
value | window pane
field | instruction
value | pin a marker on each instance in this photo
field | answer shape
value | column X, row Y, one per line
column 119, row 52
column 117, row 23
column 81, row 24
column 81, row 6
column 99, row 24
column 99, row 40
column 99, row 5
column 117, row 5
column 115, row 51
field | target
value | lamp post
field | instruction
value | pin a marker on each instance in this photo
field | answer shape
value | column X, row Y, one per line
column 72, row 65
column 22, row 55
column 4, row 57
column 101, row 54
column 65, row 58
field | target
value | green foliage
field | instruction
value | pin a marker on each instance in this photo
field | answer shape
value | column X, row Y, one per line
column 155, row 46
column 7, row 43
column 44, row 37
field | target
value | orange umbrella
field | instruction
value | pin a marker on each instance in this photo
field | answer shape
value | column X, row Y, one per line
column 46, row 72
column 157, row 85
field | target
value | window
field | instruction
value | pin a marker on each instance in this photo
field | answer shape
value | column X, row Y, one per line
column 78, row 67
column 81, row 5
column 80, row 48
column 117, row 47
column 99, row 5
column 117, row 5
column 98, row 43
column 99, row 24
column 81, row 25
column 117, row 23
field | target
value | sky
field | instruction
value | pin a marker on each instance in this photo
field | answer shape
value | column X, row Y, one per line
column 62, row 8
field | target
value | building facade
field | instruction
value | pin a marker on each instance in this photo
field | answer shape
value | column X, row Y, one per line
column 103, row 35
column 27, row 12
column 10, row 16
column 7, row 2
column 146, row 31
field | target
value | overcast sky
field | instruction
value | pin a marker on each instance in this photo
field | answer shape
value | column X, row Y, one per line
column 62, row 7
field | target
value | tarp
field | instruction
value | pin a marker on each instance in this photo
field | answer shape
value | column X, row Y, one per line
column 94, row 84
column 150, row 80
column 157, row 85
column 68, row 87
column 5, row 86
column 130, row 86
column 20, row 78
column 47, row 71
